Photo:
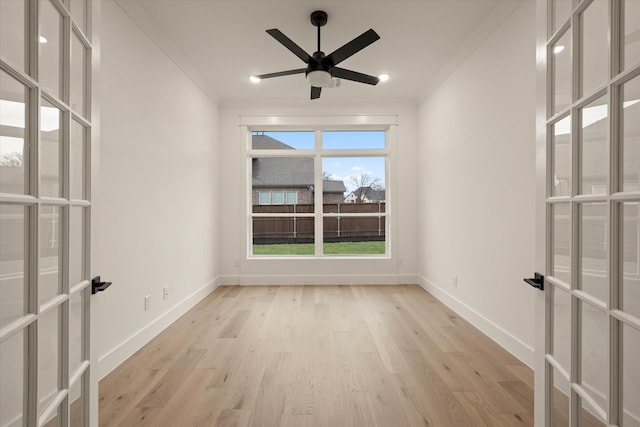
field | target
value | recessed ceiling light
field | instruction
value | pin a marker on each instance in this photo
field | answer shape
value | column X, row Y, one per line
column 43, row 40
column 255, row 80
column 558, row 49
column 383, row 77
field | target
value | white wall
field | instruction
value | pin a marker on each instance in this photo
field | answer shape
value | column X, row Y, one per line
column 235, row 268
column 477, row 185
column 156, row 208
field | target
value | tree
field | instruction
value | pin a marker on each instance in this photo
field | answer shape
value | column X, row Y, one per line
column 364, row 183
column 12, row 160
column 326, row 176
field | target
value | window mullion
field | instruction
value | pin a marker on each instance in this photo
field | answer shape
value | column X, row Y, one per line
column 317, row 195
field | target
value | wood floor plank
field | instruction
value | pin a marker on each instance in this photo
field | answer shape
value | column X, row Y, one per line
column 371, row 356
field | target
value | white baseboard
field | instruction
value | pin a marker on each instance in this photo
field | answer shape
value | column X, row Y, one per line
column 509, row 342
column 325, row 279
column 113, row 358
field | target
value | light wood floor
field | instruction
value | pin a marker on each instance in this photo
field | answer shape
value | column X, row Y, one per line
column 319, row 356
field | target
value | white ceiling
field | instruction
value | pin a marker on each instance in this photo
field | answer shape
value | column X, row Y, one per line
column 220, row 43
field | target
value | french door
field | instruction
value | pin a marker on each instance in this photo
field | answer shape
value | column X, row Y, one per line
column 45, row 211
column 589, row 121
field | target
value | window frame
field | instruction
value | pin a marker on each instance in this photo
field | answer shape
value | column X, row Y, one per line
column 386, row 124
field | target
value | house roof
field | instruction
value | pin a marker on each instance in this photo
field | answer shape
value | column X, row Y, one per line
column 265, row 142
column 285, row 171
column 370, row 193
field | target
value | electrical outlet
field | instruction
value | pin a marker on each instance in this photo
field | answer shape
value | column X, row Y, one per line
column 165, row 292
column 454, row 281
column 147, row 302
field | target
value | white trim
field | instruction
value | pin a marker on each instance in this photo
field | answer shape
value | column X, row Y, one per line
column 284, row 122
column 114, row 357
column 508, row 341
column 318, row 279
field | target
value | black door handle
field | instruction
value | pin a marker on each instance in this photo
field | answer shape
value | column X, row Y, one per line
column 98, row 286
column 537, row 281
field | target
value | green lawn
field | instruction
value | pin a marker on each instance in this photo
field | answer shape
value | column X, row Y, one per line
column 341, row 248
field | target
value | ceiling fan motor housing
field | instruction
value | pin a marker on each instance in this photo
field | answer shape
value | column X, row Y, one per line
column 319, row 18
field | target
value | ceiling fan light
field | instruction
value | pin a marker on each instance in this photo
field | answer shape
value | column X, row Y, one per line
column 319, row 78
column 383, row 77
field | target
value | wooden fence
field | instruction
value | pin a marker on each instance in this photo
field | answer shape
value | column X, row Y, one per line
column 297, row 229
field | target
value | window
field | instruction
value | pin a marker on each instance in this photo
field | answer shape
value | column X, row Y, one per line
column 264, row 197
column 319, row 192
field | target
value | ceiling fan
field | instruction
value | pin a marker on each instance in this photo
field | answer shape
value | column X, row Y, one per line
column 322, row 68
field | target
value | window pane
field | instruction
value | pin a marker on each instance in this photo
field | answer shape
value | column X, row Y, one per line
column 630, row 377
column 631, row 135
column 13, row 116
column 264, row 197
column 561, row 146
column 561, row 242
column 595, row 48
column 595, row 147
column 594, row 251
column 631, row 33
column 50, row 150
column 588, row 415
column 560, row 402
column 562, row 328
column 283, row 236
column 354, row 179
column 77, row 164
column 76, row 409
column 353, row 140
column 561, row 62
column 48, row 353
column 13, row 228
column 283, row 140
column 292, row 198
column 78, row 75
column 354, row 235
column 278, row 174
column 76, row 245
column 50, row 253
column 12, row 32
column 12, row 359
column 50, row 48
column 595, row 354
column 561, row 13
column 277, row 198
column 76, row 316
column 630, row 252
column 78, row 13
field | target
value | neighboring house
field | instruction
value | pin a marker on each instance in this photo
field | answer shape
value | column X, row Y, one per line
column 366, row 195
column 287, row 180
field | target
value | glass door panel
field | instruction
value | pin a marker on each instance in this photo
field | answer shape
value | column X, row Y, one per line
column 13, row 150
column 594, row 254
column 12, row 372
column 630, row 377
column 50, row 150
column 12, row 32
column 595, row 45
column 630, row 141
column 631, row 30
column 13, row 245
column 561, row 65
column 594, row 147
column 51, row 43
column 630, row 258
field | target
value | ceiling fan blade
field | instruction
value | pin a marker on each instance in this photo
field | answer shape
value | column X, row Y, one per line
column 315, row 92
column 290, row 44
column 282, row 73
column 354, row 46
column 354, row 76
